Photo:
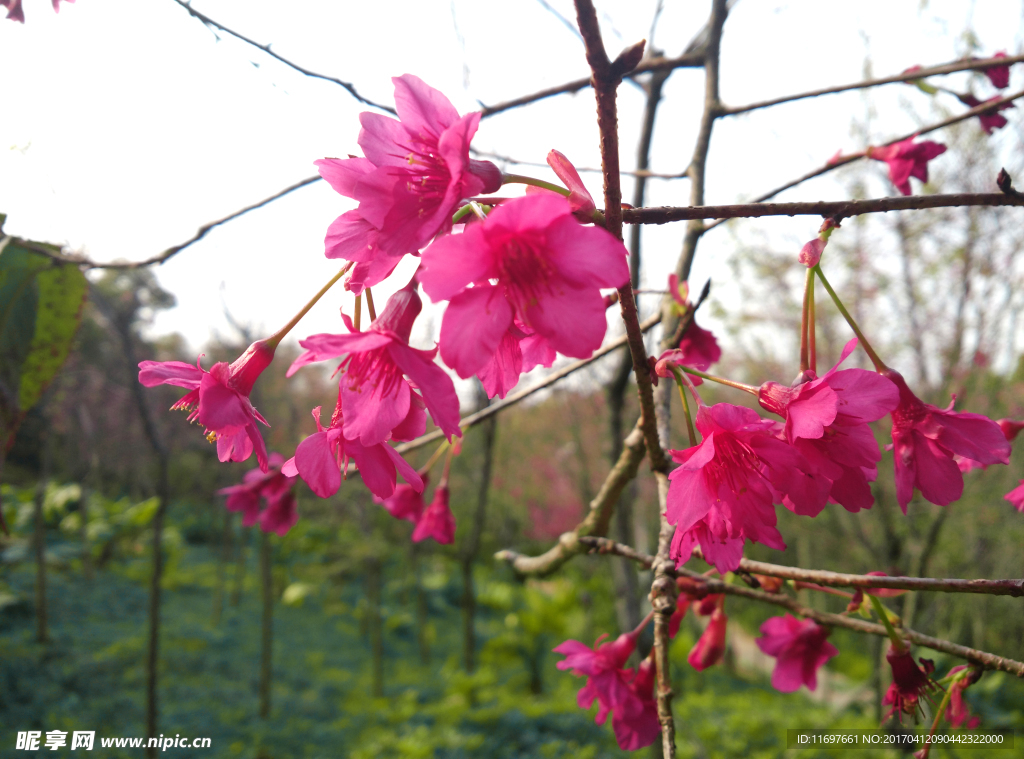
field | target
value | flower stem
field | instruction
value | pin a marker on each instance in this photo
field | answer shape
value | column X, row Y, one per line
column 897, row 641
column 274, row 340
column 935, row 723
column 462, row 213
column 520, row 179
column 879, row 364
column 646, row 620
column 359, row 312
column 804, row 318
column 433, row 458
column 812, row 329
column 681, row 384
column 369, row 305
column 720, row 380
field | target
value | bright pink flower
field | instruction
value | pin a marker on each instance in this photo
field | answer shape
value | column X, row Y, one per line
column 959, row 714
column 909, row 683
column 602, row 666
column 519, row 351
column 636, row 721
column 926, row 438
column 827, row 421
column 907, row 159
column 998, row 75
column 723, row 554
column 406, row 502
column 710, row 647
column 990, row 120
column 581, row 202
column 1016, row 497
column 437, row 521
column 416, row 172
column 799, row 648
column 379, row 401
column 219, row 399
column 275, row 488
column 730, row 480
column 698, row 349
column 548, row 270
column 322, row 456
column 1010, row 430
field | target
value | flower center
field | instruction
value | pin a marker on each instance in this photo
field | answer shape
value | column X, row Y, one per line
column 374, row 367
column 524, row 272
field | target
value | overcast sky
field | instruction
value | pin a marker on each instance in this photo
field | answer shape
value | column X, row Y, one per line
column 126, row 125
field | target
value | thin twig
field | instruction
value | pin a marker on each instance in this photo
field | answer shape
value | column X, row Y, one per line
column 837, row 209
column 348, row 86
column 905, row 77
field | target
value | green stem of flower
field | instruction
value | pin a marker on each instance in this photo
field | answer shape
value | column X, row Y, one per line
column 897, row 641
column 812, row 330
column 935, row 723
column 369, row 305
column 720, row 380
column 433, row 458
column 447, row 467
column 520, row 179
column 879, row 364
column 681, row 384
column 804, row 319
column 359, row 313
column 274, row 340
column 462, row 213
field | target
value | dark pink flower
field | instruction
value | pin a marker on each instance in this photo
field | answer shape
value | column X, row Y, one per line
column 607, row 681
column 636, row 721
column 907, row 159
column 219, row 399
column 799, row 648
column 827, row 421
column 710, row 647
column 730, row 480
column 380, row 402
column 698, row 349
column 1016, row 497
column 959, row 714
column 926, row 438
column 519, row 351
column 990, row 120
column 406, row 502
column 321, row 458
column 274, row 487
column 415, row 173
column 581, row 202
column 1010, row 430
column 14, row 10
column 810, row 253
column 548, row 271
column 437, row 521
column 723, row 554
column 909, row 683
column 998, row 75
column 280, row 514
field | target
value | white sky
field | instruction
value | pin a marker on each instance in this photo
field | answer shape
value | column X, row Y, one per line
column 124, row 126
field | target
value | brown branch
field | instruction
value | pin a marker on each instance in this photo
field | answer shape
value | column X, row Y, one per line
column 946, row 68
column 473, row 419
column 161, row 258
column 837, row 209
column 823, row 577
column 983, row 658
column 687, row 60
column 348, row 86
column 597, row 519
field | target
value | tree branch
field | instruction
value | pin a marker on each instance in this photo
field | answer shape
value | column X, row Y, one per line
column 348, row 86
column 905, row 77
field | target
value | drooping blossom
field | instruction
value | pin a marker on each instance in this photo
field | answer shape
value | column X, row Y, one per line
column 698, row 347
column 692, row 594
column 1010, row 429
column 437, row 520
column 415, row 173
column 321, row 458
column 729, row 482
column 1016, row 497
column 274, row 487
column 800, row 649
column 547, row 271
column 710, row 647
column 406, row 502
column 925, row 440
column 909, row 683
column 519, row 351
column 219, row 399
column 380, row 373
column 998, row 75
column 907, row 159
column 991, row 119
column 636, row 722
column 958, row 714
column 607, row 681
column 581, row 202
column 827, row 421
column 810, row 253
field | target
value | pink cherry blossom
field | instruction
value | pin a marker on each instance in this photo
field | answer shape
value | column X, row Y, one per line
column 925, row 440
column 1016, row 497
column 519, row 351
column 959, row 715
column 321, row 458
column 602, row 665
column 827, row 421
column 380, row 372
column 799, row 648
column 697, row 349
column 275, row 487
column 581, row 202
column 1010, row 429
column 710, row 647
column 810, row 253
column 415, row 173
column 406, row 502
column 990, row 120
column 636, row 721
column 548, row 271
column 909, row 684
column 998, row 75
column 907, row 159
column 437, row 521
column 728, row 484
column 219, row 399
